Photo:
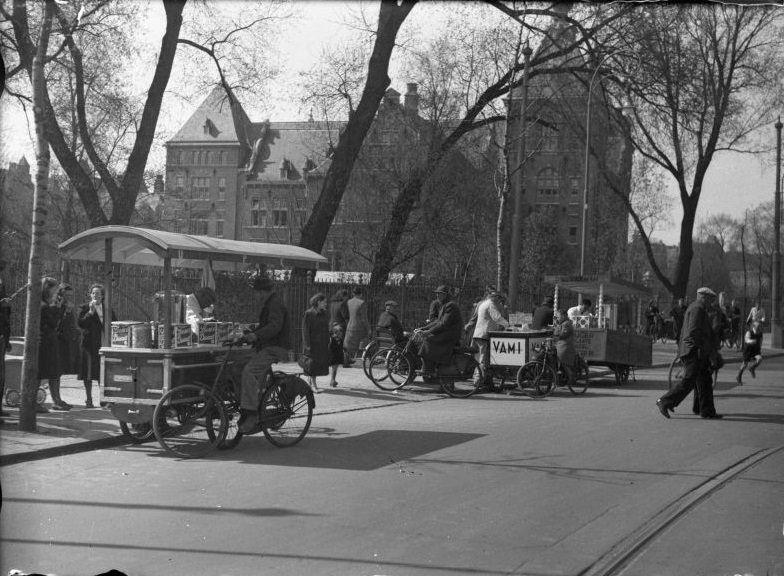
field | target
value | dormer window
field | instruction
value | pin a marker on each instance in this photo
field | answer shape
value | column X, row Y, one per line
column 210, row 128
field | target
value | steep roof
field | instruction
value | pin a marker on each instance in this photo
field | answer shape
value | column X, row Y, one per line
column 216, row 120
column 304, row 145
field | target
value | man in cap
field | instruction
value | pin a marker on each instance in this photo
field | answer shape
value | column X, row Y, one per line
column 270, row 339
column 389, row 323
column 543, row 314
column 697, row 347
column 441, row 335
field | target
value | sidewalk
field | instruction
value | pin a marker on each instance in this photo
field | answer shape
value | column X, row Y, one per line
column 82, row 429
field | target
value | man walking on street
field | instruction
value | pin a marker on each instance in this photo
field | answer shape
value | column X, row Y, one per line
column 697, row 347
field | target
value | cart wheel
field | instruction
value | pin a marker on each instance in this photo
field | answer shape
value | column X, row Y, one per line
column 391, row 369
column 137, row 433
column 466, row 383
column 13, row 398
column 676, row 372
column 583, row 374
column 40, row 396
column 286, row 410
column 536, row 379
column 189, row 422
column 621, row 374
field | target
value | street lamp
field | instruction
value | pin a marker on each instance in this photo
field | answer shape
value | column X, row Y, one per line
column 586, row 166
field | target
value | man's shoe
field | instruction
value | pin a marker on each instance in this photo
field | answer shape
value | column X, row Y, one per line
column 248, row 421
column 753, row 370
column 713, row 416
column 89, row 404
column 59, row 408
column 662, row 408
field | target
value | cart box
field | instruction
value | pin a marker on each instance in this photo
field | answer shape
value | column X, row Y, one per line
column 180, row 335
column 208, row 333
column 225, row 330
column 122, row 335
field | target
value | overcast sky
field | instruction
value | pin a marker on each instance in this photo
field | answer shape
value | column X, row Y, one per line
column 734, row 182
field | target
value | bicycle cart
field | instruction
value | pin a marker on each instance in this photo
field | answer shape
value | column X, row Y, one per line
column 138, row 374
column 509, row 352
column 598, row 338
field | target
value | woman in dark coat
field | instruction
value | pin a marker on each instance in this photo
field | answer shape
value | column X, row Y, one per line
column 49, row 349
column 68, row 333
column 315, row 339
column 91, row 321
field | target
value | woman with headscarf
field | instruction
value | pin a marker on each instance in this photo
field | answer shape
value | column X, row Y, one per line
column 48, row 347
column 315, row 340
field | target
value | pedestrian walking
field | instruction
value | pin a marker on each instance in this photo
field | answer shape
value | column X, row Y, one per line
column 752, row 351
column 757, row 313
column 696, row 349
column 358, row 328
column 315, row 340
column 91, row 318
column 48, row 346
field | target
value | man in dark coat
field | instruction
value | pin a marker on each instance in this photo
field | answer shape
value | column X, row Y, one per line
column 443, row 334
column 543, row 315
column 388, row 322
column 271, row 342
column 677, row 313
column 697, row 349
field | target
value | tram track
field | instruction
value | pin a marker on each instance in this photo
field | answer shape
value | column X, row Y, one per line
column 615, row 561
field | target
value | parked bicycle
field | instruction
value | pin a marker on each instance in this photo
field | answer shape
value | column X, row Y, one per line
column 193, row 419
column 545, row 373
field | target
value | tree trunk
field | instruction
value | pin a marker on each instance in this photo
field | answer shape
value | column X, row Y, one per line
column 391, row 17
column 40, row 195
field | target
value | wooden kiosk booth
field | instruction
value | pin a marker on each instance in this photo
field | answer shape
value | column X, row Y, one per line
column 136, row 374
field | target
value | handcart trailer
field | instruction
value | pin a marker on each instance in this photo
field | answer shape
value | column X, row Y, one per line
column 133, row 380
column 598, row 339
column 509, row 350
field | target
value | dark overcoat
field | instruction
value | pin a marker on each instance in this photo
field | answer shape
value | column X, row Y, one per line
column 315, row 341
column 564, row 342
column 697, row 333
column 69, row 338
column 543, row 317
column 48, row 348
column 358, row 326
column 92, row 337
column 338, row 314
column 388, row 322
column 444, row 335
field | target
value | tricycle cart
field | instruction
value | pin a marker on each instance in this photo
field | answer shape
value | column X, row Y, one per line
column 135, row 379
column 599, row 339
column 510, row 351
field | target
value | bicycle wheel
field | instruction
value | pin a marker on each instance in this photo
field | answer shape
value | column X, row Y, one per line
column 675, row 373
column 286, row 410
column 13, row 398
column 231, row 407
column 536, row 378
column 580, row 385
column 378, row 372
column 367, row 354
column 391, row 369
column 137, row 432
column 189, row 422
column 468, row 382
column 40, row 396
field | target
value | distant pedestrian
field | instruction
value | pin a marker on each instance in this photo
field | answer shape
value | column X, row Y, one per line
column 565, row 346
column 338, row 310
column 48, row 345
column 315, row 340
column 5, row 334
column 752, row 351
column 389, row 323
column 358, row 328
column 336, row 337
column 757, row 313
column 677, row 313
column 696, row 349
column 91, row 319
column 543, row 314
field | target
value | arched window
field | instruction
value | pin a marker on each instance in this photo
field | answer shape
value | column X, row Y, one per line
column 548, row 185
column 549, row 139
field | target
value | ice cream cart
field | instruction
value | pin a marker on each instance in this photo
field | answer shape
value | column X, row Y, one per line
column 136, row 371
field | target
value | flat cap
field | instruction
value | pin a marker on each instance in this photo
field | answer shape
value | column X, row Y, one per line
column 390, row 303
column 706, row 291
column 442, row 289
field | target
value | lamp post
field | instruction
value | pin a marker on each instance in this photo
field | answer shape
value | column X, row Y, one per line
column 775, row 315
column 586, row 167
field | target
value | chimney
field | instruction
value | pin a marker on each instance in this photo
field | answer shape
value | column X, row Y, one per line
column 392, row 96
column 157, row 187
column 411, row 100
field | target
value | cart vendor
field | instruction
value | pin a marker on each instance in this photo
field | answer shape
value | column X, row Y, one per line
column 199, row 307
column 271, row 342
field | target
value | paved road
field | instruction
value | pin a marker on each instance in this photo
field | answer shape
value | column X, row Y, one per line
column 490, row 485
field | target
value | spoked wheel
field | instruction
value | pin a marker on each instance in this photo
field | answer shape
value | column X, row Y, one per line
column 536, row 379
column 189, row 422
column 13, row 398
column 137, row 432
column 466, row 383
column 367, row 355
column 233, row 434
column 676, row 372
column 40, row 396
column 581, row 383
column 286, row 410
column 391, row 369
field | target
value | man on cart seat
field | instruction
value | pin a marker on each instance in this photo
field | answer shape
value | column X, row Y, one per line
column 271, row 342
column 442, row 335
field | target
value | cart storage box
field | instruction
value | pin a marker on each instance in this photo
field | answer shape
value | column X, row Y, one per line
column 225, row 330
column 208, row 333
column 122, row 335
column 180, row 335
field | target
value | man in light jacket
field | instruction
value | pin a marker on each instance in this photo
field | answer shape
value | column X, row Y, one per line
column 489, row 317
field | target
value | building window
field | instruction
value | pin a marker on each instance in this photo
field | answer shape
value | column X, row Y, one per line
column 179, row 184
column 574, row 186
column 280, row 218
column 572, row 234
column 549, row 139
column 200, row 188
column 221, row 188
column 548, row 184
column 221, row 155
column 198, row 225
column 256, row 213
column 207, row 157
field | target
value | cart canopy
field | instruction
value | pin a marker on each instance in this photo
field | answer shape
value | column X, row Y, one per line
column 133, row 245
column 592, row 285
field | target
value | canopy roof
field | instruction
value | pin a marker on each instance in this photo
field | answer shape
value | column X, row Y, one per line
column 132, row 245
column 612, row 287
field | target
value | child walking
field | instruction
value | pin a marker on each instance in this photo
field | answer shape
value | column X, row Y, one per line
column 752, row 350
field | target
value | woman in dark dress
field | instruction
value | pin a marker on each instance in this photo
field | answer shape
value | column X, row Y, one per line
column 68, row 333
column 48, row 348
column 91, row 321
column 315, row 339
